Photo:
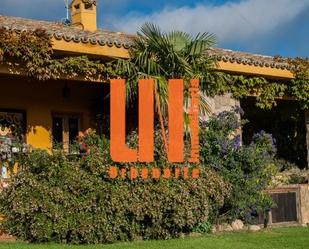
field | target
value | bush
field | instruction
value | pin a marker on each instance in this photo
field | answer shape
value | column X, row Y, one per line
column 290, row 174
column 203, row 227
column 56, row 198
column 72, row 200
column 249, row 169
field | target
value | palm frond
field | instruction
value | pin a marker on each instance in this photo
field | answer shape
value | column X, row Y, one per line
column 168, row 55
column 179, row 40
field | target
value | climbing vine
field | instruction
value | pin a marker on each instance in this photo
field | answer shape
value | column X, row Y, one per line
column 33, row 50
column 240, row 86
column 299, row 86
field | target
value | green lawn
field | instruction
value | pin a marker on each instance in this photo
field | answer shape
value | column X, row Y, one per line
column 281, row 238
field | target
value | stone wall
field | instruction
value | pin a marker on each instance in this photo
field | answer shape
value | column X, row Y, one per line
column 222, row 103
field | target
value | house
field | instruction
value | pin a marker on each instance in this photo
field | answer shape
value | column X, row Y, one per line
column 59, row 109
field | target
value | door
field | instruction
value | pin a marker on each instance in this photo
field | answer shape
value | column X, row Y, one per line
column 286, row 209
column 65, row 131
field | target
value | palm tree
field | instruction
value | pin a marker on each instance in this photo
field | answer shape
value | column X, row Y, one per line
column 173, row 55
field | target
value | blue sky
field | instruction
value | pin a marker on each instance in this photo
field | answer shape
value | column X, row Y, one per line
column 272, row 27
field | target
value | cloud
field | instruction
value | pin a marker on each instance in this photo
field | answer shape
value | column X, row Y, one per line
column 258, row 26
column 231, row 22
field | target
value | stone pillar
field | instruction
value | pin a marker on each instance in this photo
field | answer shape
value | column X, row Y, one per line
column 304, row 204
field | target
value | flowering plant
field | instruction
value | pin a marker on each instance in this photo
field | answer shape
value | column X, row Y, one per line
column 248, row 168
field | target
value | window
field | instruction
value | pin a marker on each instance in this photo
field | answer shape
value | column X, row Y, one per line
column 73, row 129
column 12, row 129
column 12, row 124
column 88, row 6
column 77, row 7
column 65, row 131
column 57, row 130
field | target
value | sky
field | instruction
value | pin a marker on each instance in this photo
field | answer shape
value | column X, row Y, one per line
column 270, row 27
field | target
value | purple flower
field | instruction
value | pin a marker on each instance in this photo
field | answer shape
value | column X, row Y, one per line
column 264, row 139
column 237, row 142
column 238, row 110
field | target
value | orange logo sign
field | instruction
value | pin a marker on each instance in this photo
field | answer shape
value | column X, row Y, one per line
column 120, row 152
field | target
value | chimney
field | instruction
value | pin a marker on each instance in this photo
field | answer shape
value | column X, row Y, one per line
column 84, row 14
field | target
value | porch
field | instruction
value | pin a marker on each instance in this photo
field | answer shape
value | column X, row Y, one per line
column 45, row 113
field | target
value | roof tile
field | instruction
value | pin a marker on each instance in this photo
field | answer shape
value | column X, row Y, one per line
column 103, row 37
column 68, row 33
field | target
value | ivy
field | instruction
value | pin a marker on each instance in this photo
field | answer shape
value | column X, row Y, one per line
column 33, row 50
column 241, row 86
column 267, row 97
column 266, row 92
column 300, row 84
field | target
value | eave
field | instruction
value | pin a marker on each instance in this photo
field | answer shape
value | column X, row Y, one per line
column 71, row 47
column 267, row 72
column 98, row 51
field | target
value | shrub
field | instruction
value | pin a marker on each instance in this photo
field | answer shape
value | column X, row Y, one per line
column 290, row 175
column 72, row 200
column 56, row 198
column 203, row 227
column 248, row 168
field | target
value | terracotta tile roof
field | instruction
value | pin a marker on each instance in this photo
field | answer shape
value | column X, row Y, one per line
column 109, row 38
column 68, row 33
column 232, row 56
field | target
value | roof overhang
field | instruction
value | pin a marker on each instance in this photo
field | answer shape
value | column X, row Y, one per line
column 97, row 50
column 267, row 72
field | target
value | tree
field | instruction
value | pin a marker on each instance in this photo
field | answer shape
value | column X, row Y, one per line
column 172, row 55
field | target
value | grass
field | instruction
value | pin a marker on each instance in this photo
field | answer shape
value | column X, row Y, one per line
column 281, row 238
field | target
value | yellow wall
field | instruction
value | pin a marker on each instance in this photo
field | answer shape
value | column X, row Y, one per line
column 41, row 99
